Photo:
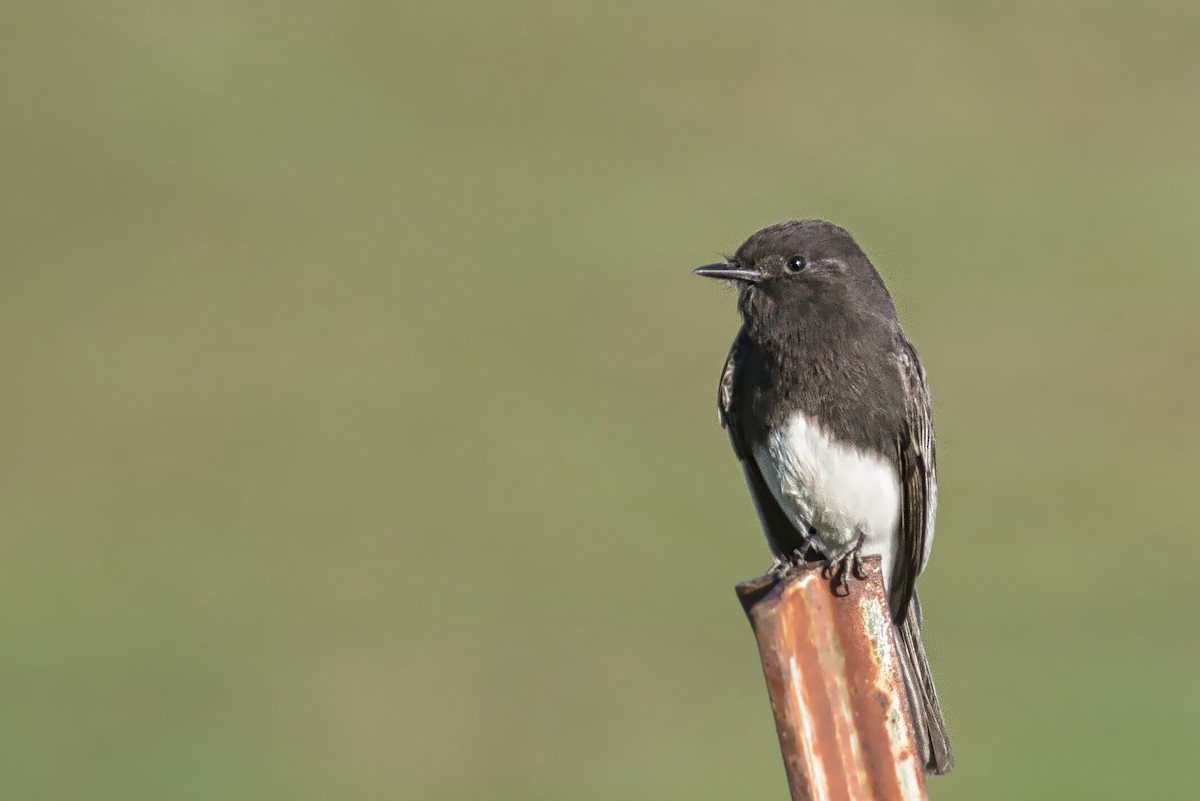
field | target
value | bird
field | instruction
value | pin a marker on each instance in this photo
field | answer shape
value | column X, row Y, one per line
column 827, row 407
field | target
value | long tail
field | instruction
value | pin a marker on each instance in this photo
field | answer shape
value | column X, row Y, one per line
column 933, row 742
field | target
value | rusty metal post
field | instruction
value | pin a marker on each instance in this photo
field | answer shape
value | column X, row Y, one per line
column 834, row 679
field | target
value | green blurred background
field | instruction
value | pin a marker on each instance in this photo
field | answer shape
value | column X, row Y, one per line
column 359, row 435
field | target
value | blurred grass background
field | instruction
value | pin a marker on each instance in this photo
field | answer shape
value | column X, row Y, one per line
column 359, row 437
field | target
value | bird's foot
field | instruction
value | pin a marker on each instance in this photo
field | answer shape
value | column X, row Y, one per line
column 785, row 565
column 840, row 569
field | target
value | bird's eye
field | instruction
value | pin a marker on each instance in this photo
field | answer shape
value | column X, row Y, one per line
column 796, row 263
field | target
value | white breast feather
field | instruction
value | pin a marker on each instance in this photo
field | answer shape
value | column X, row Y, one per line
column 834, row 490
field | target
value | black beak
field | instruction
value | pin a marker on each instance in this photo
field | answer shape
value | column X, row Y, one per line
column 730, row 272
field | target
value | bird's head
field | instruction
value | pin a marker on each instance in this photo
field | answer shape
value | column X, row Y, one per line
column 800, row 259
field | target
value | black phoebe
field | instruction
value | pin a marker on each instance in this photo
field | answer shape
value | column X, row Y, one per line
column 826, row 404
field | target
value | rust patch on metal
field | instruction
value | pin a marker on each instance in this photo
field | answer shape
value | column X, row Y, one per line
column 836, row 690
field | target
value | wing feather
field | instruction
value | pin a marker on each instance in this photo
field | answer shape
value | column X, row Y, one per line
column 781, row 534
column 918, row 480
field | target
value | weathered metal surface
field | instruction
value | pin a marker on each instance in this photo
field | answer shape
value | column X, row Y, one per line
column 834, row 678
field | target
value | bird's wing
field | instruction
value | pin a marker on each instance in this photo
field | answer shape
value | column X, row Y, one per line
column 725, row 395
column 918, row 480
column 781, row 534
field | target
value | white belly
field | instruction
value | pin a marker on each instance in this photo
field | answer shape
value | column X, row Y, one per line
column 835, row 492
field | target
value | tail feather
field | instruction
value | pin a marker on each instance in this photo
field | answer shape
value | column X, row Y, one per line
column 933, row 742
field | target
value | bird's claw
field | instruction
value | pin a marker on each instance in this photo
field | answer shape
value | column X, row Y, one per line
column 838, row 571
column 785, row 565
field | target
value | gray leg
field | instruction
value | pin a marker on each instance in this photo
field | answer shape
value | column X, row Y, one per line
column 838, row 570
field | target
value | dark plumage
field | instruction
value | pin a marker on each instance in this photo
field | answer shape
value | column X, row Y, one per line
column 827, row 408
